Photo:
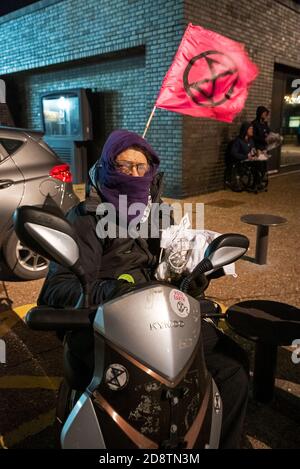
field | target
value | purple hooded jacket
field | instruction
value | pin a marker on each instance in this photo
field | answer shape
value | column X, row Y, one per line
column 110, row 183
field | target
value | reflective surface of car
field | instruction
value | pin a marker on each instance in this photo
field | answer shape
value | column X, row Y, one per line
column 30, row 174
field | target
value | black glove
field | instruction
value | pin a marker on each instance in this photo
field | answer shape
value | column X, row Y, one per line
column 105, row 290
column 197, row 286
column 216, row 274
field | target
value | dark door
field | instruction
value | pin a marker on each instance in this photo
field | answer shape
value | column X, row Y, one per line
column 94, row 147
column 103, row 105
column 276, row 115
column 285, row 117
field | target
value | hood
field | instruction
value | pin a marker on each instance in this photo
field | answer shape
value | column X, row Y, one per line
column 243, row 129
column 118, row 141
column 111, row 184
column 260, row 110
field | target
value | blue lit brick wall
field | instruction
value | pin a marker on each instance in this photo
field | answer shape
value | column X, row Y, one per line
column 54, row 33
column 51, row 33
column 119, row 80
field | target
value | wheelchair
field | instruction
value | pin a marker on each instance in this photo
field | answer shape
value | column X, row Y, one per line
column 246, row 176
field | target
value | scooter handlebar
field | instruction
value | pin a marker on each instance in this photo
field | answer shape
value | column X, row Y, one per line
column 44, row 318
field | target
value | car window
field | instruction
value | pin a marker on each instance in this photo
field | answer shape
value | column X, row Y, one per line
column 11, row 145
column 3, row 153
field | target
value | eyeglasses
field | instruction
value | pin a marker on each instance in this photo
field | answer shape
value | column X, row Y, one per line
column 126, row 167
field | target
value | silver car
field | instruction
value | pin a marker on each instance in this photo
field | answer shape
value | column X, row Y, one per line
column 30, row 173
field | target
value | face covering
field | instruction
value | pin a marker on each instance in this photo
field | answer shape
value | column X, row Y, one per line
column 111, row 183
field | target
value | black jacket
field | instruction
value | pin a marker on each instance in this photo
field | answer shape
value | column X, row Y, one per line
column 239, row 148
column 261, row 129
column 101, row 259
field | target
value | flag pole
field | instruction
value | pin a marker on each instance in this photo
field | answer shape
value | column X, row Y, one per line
column 149, row 120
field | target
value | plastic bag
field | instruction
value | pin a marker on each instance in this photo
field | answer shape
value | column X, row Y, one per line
column 273, row 140
column 182, row 249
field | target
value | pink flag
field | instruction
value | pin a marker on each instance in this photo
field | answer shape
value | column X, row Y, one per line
column 209, row 77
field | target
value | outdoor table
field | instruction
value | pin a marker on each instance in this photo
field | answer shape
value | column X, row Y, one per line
column 263, row 222
column 269, row 324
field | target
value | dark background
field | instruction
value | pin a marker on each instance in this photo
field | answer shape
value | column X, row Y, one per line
column 13, row 5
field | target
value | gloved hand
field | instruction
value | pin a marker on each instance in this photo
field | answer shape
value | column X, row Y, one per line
column 108, row 289
column 197, row 286
column 216, row 274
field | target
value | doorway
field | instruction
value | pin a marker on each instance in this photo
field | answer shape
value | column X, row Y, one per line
column 286, row 116
column 103, row 105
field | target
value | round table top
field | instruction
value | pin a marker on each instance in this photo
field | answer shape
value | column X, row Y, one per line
column 265, row 321
column 263, row 219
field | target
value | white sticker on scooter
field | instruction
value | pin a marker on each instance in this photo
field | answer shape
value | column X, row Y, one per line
column 116, row 377
column 179, row 303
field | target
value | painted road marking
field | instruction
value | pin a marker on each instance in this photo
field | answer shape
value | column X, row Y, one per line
column 10, row 317
column 222, row 324
column 28, row 429
column 31, row 428
column 25, row 382
column 223, row 307
column 7, row 321
column 21, row 311
column 30, row 382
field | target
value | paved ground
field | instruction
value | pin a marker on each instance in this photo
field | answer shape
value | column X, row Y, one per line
column 30, row 379
column 290, row 154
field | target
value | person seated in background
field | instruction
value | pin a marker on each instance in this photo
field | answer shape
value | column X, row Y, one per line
column 242, row 149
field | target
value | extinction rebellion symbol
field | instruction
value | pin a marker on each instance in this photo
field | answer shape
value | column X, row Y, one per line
column 116, row 377
column 220, row 78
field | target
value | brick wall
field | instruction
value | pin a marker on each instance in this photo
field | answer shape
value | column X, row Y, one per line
column 116, row 81
column 271, row 32
column 71, row 32
column 5, row 115
column 123, row 50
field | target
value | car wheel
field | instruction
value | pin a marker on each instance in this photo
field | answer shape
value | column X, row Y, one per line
column 22, row 261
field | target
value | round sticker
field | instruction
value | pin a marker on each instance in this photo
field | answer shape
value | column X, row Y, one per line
column 179, row 303
column 116, row 377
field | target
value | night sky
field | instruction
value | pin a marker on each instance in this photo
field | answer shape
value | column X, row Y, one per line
column 12, row 5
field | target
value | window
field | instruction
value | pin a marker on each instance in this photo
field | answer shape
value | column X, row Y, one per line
column 61, row 115
column 11, row 145
column 3, row 153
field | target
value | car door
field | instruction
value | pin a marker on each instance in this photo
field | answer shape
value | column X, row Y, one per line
column 11, row 189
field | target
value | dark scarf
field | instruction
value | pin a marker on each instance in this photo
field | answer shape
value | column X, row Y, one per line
column 111, row 183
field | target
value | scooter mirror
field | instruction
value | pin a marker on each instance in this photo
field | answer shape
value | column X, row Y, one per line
column 49, row 235
column 225, row 249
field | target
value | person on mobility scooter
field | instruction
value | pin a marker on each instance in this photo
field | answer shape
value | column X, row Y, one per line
column 129, row 166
